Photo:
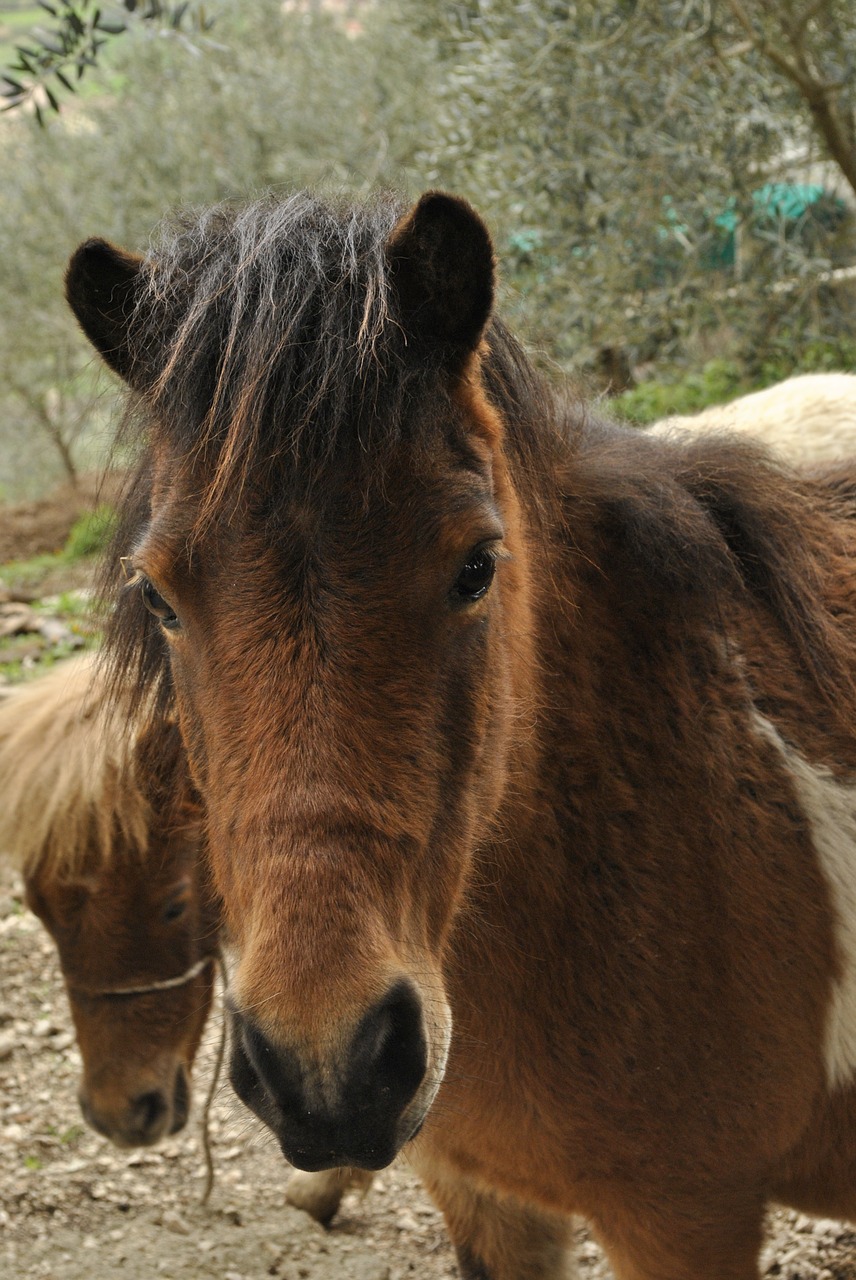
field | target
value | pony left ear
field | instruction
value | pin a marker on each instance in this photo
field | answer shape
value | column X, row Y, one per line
column 441, row 261
column 101, row 285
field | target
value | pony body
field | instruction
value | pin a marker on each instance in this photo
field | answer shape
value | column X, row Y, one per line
column 525, row 742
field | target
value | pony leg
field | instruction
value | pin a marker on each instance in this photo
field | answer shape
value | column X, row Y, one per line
column 320, row 1194
column 497, row 1237
column 689, row 1242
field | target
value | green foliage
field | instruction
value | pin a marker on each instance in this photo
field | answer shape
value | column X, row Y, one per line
column 616, row 136
column 617, row 150
column 819, row 356
column 722, row 380
column 56, row 59
column 90, row 534
column 718, row 382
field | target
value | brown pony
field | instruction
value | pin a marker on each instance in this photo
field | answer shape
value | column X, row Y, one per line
column 106, row 828
column 526, row 743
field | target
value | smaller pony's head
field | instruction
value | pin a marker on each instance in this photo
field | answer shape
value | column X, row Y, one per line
column 114, row 874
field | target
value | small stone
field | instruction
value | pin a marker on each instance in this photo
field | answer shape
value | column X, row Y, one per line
column 54, row 631
column 17, row 619
column 174, row 1222
column 828, row 1227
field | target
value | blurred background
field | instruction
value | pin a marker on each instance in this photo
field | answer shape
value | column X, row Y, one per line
column 670, row 182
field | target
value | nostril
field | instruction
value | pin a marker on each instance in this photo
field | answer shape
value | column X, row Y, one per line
column 390, row 1044
column 262, row 1069
column 148, row 1110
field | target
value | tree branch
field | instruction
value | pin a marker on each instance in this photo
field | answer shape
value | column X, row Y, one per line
column 819, row 95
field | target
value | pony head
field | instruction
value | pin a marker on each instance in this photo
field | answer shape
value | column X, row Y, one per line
column 331, row 584
column 107, row 830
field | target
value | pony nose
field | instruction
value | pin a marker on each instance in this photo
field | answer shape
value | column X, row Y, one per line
column 142, row 1119
column 344, row 1112
column 148, row 1115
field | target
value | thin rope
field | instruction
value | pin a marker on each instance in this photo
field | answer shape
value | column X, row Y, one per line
column 212, row 1089
column 166, row 984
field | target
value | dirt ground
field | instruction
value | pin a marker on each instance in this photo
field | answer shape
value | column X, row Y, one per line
column 72, row 1207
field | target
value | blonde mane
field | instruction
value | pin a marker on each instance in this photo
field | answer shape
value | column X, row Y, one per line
column 70, row 790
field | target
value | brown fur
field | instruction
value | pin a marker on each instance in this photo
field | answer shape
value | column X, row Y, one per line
column 541, row 819
column 104, row 825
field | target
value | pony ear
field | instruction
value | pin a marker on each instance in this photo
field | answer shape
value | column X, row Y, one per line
column 441, row 261
column 101, row 286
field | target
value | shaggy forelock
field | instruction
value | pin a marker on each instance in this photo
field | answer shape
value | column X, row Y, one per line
column 267, row 332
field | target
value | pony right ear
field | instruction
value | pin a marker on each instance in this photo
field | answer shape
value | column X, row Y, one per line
column 441, row 263
column 101, row 285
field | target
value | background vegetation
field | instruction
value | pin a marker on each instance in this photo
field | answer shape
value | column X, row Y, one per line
column 671, row 182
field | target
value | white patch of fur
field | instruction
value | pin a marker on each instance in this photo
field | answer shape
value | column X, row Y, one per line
column 830, row 807
column 809, row 420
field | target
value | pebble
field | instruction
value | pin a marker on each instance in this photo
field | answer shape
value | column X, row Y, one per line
column 828, row 1227
column 46, row 1028
column 174, row 1222
column 7, row 1046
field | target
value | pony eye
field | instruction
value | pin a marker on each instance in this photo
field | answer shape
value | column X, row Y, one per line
column 156, row 604
column 175, row 909
column 476, row 576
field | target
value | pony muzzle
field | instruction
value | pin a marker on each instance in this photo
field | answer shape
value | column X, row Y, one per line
column 358, row 1109
column 140, row 1118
